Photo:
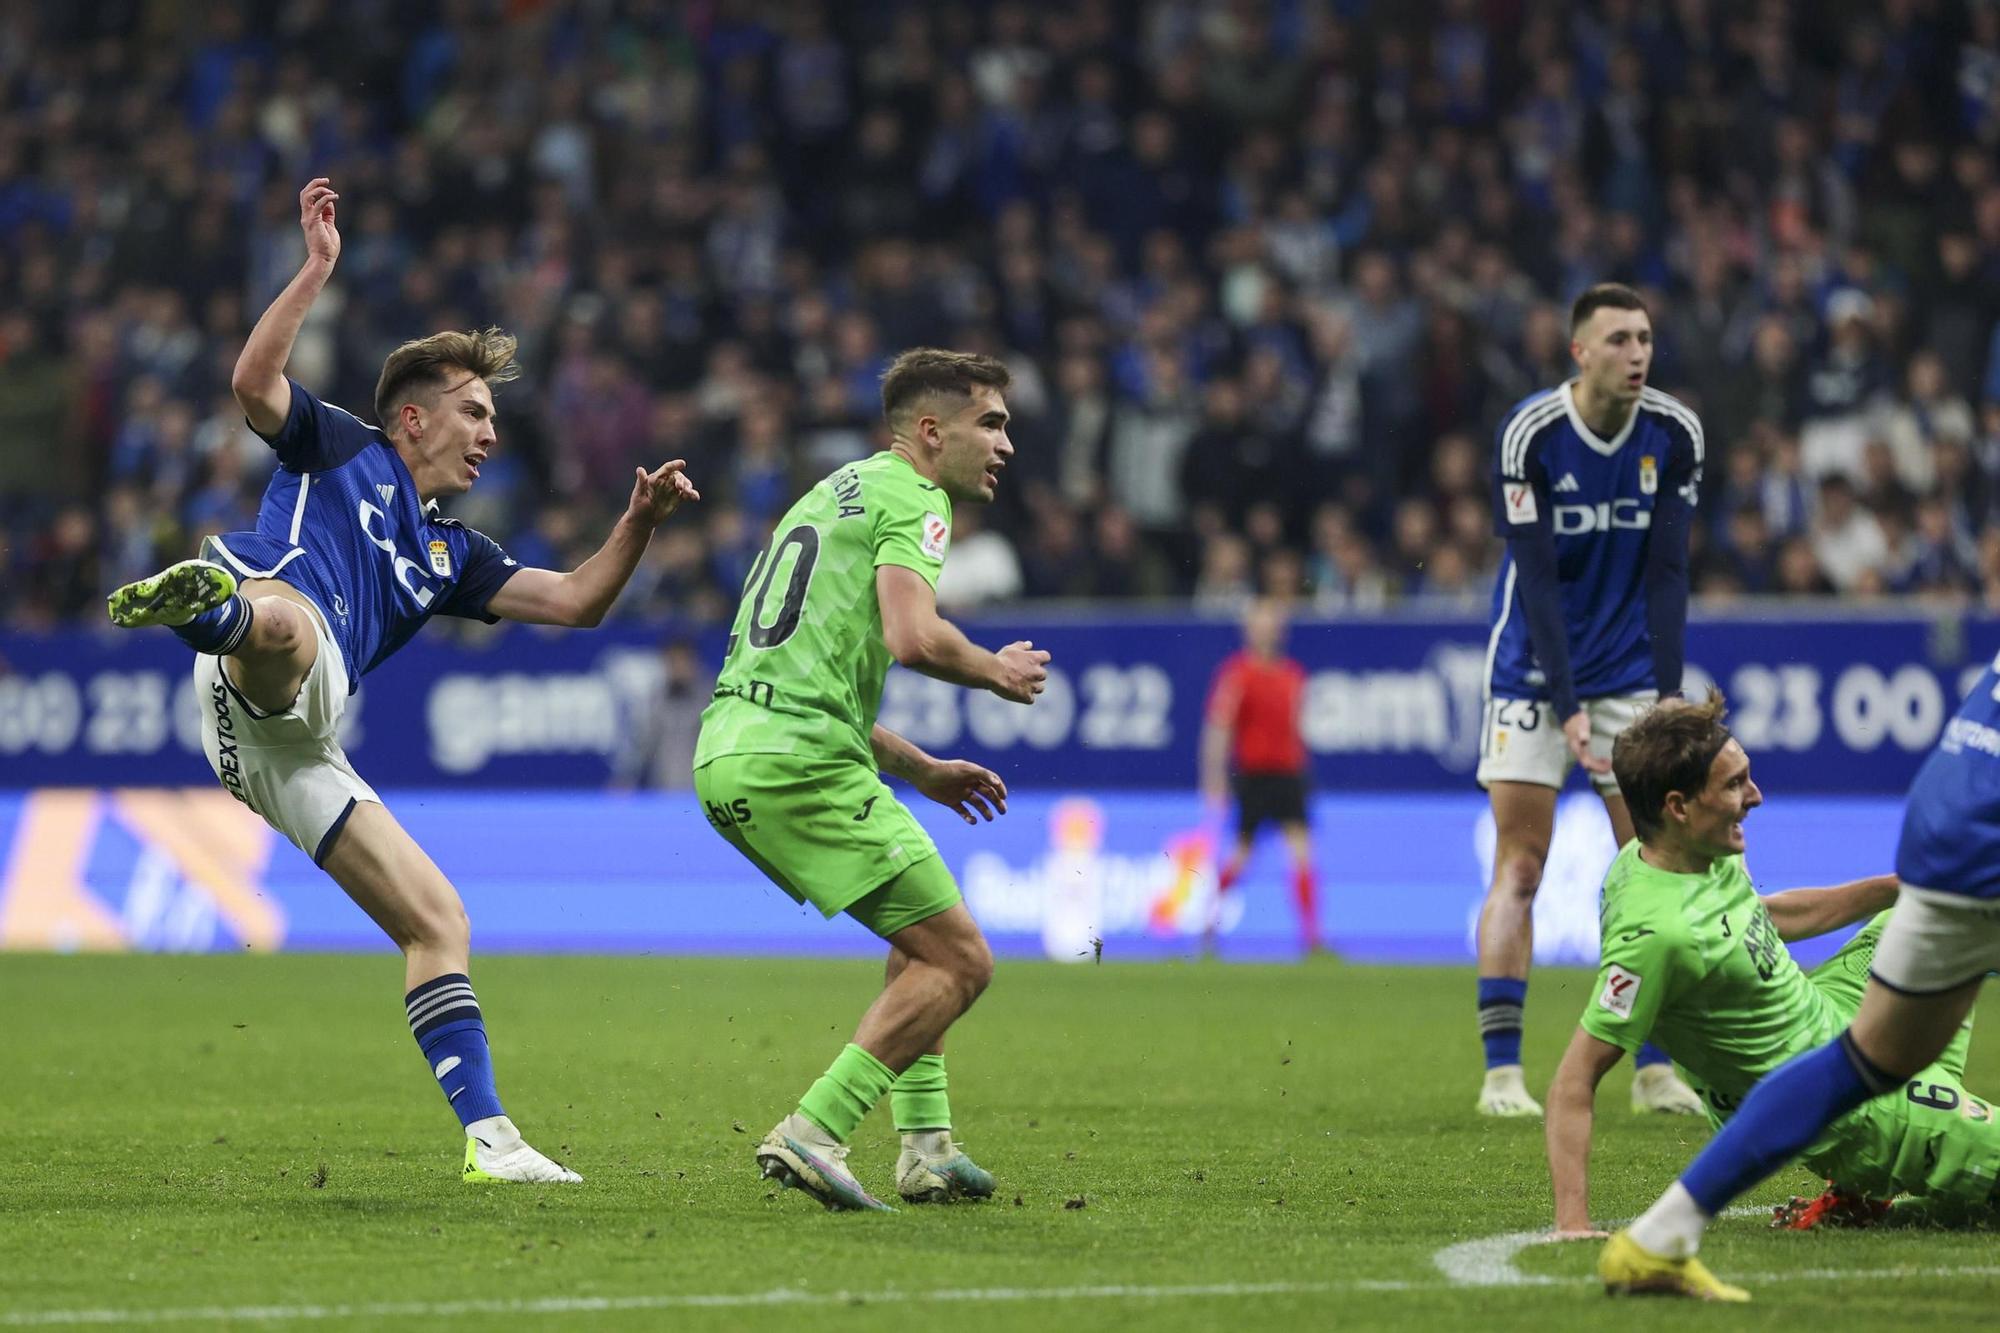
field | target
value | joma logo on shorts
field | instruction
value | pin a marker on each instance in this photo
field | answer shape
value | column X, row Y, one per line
column 730, row 814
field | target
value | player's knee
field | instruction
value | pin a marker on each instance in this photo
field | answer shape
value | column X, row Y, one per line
column 1517, row 874
column 279, row 628
column 975, row 969
column 442, row 926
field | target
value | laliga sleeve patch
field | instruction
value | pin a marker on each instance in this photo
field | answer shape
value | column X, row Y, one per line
column 1520, row 498
column 1621, row 988
column 937, row 536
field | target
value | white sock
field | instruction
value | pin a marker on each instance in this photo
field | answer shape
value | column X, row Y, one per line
column 1672, row 1227
column 929, row 1142
column 497, row 1132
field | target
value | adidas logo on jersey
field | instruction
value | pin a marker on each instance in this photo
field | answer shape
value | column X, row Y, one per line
column 1568, row 485
column 386, row 491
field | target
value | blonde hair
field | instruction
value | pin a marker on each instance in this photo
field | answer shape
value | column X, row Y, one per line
column 425, row 366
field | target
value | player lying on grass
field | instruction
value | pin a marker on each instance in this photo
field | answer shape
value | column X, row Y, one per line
column 1934, row 954
column 348, row 560
column 789, row 761
column 1693, row 958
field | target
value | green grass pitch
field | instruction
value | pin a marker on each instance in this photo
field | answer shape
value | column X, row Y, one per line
column 1179, row 1146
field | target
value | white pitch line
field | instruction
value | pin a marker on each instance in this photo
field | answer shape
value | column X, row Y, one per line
column 1489, row 1261
column 791, row 1296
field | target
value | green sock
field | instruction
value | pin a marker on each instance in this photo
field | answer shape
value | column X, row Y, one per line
column 919, row 1099
column 846, row 1092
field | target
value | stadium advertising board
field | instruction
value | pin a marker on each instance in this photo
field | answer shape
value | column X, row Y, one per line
column 1075, row 876
column 1391, row 704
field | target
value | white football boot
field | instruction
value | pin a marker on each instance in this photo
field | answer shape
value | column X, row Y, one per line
column 495, row 1152
column 1506, row 1095
column 799, row 1155
column 1659, row 1088
column 933, row 1169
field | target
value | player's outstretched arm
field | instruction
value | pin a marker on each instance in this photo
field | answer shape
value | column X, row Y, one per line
column 581, row 597
column 922, row 640
column 259, row 378
column 1571, row 1108
column 958, row 784
column 1800, row 914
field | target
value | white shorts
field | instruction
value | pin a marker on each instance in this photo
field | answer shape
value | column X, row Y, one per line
column 1936, row 942
column 1521, row 740
column 287, row 766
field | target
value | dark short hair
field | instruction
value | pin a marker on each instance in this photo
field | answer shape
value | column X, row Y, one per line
column 923, row 371
column 1671, row 748
column 1605, row 295
column 426, row 365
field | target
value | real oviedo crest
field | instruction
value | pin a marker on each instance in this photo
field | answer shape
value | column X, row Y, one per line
column 441, row 559
column 1649, row 475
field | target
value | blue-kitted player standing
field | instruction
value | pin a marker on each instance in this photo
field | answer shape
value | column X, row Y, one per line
column 1935, row 951
column 348, row 560
column 1597, row 484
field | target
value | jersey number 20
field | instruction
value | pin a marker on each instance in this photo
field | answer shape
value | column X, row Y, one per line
column 769, row 634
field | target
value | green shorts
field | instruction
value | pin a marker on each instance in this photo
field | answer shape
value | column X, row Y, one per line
column 1932, row 1138
column 828, row 832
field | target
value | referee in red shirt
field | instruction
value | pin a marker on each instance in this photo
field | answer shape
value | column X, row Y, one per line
column 1252, row 729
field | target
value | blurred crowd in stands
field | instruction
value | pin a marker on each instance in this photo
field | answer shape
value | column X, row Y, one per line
column 1268, row 272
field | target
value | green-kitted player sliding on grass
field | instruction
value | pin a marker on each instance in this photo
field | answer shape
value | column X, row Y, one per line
column 1694, row 959
column 789, row 762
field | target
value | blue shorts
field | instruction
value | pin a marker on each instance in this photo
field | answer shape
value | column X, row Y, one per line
column 1950, row 841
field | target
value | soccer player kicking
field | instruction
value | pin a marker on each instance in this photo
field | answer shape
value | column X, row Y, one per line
column 1938, row 945
column 1253, row 726
column 790, row 754
column 1598, row 479
column 348, row 560
column 1691, row 954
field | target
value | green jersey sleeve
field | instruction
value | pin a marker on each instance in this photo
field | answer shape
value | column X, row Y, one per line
column 1642, row 968
column 913, row 526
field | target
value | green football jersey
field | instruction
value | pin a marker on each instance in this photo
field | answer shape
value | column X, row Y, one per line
column 1694, row 963
column 806, row 657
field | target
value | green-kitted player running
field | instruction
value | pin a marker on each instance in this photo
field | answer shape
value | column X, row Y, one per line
column 789, row 761
column 1694, row 959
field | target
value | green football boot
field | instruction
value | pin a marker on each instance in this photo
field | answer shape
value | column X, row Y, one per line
column 174, row 596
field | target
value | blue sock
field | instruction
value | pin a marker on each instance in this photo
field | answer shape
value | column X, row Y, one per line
column 1650, row 1054
column 444, row 1018
column 220, row 630
column 1783, row 1113
column 1501, row 1000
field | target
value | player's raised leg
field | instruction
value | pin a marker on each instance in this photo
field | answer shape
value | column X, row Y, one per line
column 1524, row 815
column 261, row 625
column 389, row 877
column 932, row 1167
column 1656, row 1088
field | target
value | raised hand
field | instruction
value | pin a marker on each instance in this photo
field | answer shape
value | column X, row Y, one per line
column 658, row 493
column 964, row 787
column 316, row 220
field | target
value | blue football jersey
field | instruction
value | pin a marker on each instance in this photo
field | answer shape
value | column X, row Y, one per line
column 342, row 522
column 1598, row 499
column 1951, row 819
